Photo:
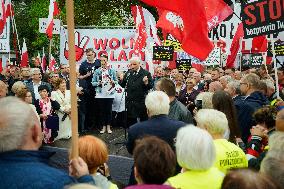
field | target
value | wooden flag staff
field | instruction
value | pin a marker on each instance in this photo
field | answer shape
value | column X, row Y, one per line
column 72, row 64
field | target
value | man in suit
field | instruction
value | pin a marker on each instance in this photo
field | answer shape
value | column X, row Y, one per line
column 35, row 83
column 159, row 124
column 64, row 73
column 137, row 82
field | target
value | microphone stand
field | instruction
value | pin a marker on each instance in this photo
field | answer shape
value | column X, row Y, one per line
column 125, row 115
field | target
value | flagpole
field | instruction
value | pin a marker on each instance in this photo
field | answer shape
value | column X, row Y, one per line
column 49, row 51
column 72, row 64
column 275, row 65
column 15, row 27
column 240, row 53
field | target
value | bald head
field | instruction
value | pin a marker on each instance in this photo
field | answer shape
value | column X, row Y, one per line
column 19, row 126
column 3, row 89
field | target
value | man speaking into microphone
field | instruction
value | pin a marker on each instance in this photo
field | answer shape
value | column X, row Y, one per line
column 137, row 82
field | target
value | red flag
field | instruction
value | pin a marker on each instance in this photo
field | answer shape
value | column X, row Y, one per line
column 2, row 16
column 216, row 12
column 24, row 57
column 235, row 46
column 199, row 67
column 259, row 44
column 52, row 64
column 194, row 28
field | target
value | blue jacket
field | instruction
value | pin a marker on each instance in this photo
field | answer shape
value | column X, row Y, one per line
column 29, row 169
column 161, row 126
column 98, row 77
column 245, row 110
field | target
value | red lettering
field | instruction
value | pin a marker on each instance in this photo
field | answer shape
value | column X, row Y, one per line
column 261, row 10
column 111, row 56
column 252, row 19
column 122, row 55
column 100, row 44
column 101, row 53
column 140, row 54
column 123, row 45
column 132, row 43
column 277, row 4
column 116, row 41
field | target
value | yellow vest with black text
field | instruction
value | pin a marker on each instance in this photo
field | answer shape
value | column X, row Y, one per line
column 229, row 156
column 209, row 179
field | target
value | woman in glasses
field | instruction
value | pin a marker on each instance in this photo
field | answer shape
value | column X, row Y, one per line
column 187, row 96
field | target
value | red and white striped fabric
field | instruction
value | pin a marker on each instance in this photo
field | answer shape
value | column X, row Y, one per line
column 53, row 11
column 146, row 34
column 52, row 64
column 25, row 56
column 2, row 16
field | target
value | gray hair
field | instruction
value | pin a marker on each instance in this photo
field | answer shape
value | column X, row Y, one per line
column 34, row 70
column 18, row 86
column 206, row 98
column 157, row 103
column 269, row 83
column 214, row 121
column 273, row 163
column 235, row 84
column 135, row 59
column 195, row 149
column 227, row 78
column 16, row 117
column 252, row 79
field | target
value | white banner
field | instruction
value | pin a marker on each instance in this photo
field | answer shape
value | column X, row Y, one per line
column 43, row 25
column 5, row 38
column 118, row 44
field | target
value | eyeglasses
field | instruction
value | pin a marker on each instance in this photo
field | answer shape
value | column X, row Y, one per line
column 189, row 82
column 243, row 83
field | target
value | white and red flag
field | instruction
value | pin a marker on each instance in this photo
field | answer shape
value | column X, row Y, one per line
column 52, row 64
column 2, row 16
column 53, row 12
column 146, row 34
column 25, row 56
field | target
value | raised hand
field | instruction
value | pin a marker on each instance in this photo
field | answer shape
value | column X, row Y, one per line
column 80, row 45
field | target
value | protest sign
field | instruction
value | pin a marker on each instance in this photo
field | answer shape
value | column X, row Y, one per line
column 262, row 17
column 252, row 60
column 183, row 64
column 164, row 53
column 278, row 47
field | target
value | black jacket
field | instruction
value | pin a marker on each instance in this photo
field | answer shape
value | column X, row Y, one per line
column 246, row 109
column 161, row 126
column 136, row 92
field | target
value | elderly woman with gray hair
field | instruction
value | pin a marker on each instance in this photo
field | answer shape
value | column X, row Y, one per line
column 228, row 155
column 196, row 155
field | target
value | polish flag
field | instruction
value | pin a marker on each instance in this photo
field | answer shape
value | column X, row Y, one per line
column 43, row 61
column 2, row 16
column 53, row 11
column 9, row 10
column 24, row 57
column 52, row 64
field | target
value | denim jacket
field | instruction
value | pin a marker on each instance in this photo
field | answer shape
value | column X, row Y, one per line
column 97, row 77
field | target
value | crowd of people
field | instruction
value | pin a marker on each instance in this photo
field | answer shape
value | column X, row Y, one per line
column 222, row 128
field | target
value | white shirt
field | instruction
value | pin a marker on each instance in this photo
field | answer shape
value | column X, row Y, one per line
column 37, row 96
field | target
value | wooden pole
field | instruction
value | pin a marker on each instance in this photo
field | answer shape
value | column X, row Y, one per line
column 72, row 64
column 275, row 66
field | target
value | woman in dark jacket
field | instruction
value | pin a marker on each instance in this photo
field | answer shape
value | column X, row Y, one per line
column 45, row 107
column 187, row 96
